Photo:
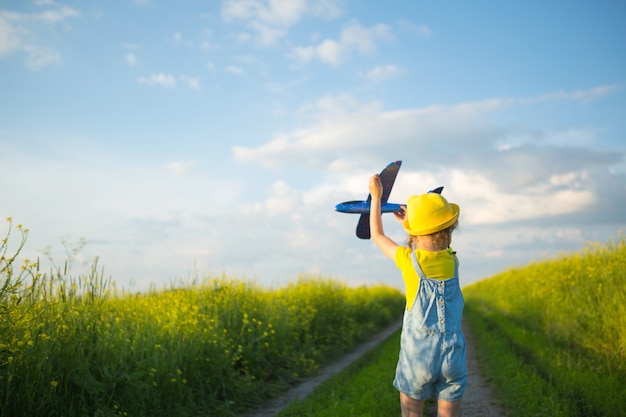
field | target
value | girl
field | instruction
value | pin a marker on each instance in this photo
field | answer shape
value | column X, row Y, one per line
column 432, row 347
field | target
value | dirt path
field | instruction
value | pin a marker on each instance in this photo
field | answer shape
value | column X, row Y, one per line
column 477, row 400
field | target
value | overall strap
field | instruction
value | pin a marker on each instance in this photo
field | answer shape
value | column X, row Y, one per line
column 456, row 264
column 423, row 278
column 416, row 266
column 430, row 282
column 421, row 274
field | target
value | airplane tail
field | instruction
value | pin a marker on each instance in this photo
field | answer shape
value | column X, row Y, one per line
column 388, row 177
column 363, row 227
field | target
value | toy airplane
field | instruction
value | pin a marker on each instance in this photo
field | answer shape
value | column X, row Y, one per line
column 387, row 177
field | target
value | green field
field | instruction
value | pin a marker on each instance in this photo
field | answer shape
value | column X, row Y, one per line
column 363, row 389
column 73, row 346
column 552, row 334
column 551, row 337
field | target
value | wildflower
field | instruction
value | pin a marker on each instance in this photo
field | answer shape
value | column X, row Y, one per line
column 53, row 384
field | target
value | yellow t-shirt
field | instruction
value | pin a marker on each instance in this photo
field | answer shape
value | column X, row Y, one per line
column 435, row 265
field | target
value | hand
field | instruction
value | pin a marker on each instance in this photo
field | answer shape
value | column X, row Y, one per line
column 400, row 214
column 376, row 187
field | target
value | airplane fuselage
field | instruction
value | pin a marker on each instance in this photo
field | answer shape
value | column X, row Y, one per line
column 364, row 207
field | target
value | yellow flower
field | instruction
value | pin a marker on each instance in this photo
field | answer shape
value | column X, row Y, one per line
column 53, row 384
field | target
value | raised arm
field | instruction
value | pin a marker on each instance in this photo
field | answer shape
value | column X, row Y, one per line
column 386, row 245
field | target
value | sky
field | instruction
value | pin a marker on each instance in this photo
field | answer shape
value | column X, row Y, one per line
column 184, row 139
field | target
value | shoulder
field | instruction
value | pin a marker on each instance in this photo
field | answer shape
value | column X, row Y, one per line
column 440, row 255
column 403, row 256
column 437, row 264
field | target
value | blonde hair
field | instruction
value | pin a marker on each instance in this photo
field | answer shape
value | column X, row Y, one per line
column 442, row 238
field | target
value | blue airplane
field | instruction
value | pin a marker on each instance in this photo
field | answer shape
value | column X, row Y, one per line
column 387, row 177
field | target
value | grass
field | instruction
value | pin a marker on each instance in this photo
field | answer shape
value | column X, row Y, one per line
column 549, row 337
column 363, row 389
column 552, row 334
column 75, row 346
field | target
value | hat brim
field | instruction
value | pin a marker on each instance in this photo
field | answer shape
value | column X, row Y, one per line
column 435, row 228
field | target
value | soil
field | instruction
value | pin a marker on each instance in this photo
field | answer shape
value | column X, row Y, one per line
column 478, row 399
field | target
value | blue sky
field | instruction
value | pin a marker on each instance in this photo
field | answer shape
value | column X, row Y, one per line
column 217, row 136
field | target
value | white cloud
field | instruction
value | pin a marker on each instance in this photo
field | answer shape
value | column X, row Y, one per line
column 328, row 9
column 192, row 82
column 57, row 15
column 502, row 206
column 303, row 53
column 182, row 168
column 382, row 72
column 153, row 221
column 278, row 12
column 235, row 70
column 421, row 30
column 344, row 123
column 330, row 52
column 131, row 59
column 270, row 20
column 464, row 132
column 39, row 58
column 580, row 95
column 353, row 38
column 23, row 32
column 499, row 184
column 160, row 79
column 169, row 81
column 266, row 35
column 424, row 31
column 282, row 199
column 143, row 220
column 9, row 37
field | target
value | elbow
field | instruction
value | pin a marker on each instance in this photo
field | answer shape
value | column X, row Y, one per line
column 377, row 237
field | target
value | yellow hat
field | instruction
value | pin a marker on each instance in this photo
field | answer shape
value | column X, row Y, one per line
column 429, row 213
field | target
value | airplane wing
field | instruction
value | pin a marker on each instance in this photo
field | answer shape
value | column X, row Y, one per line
column 363, row 227
column 388, row 177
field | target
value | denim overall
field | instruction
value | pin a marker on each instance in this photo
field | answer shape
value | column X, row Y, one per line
column 432, row 347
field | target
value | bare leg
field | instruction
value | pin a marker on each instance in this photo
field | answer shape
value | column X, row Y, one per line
column 410, row 406
column 448, row 408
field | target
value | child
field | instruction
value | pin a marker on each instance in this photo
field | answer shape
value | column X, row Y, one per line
column 432, row 347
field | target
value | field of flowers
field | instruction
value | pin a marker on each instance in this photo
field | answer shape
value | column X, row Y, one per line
column 74, row 346
column 564, row 321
